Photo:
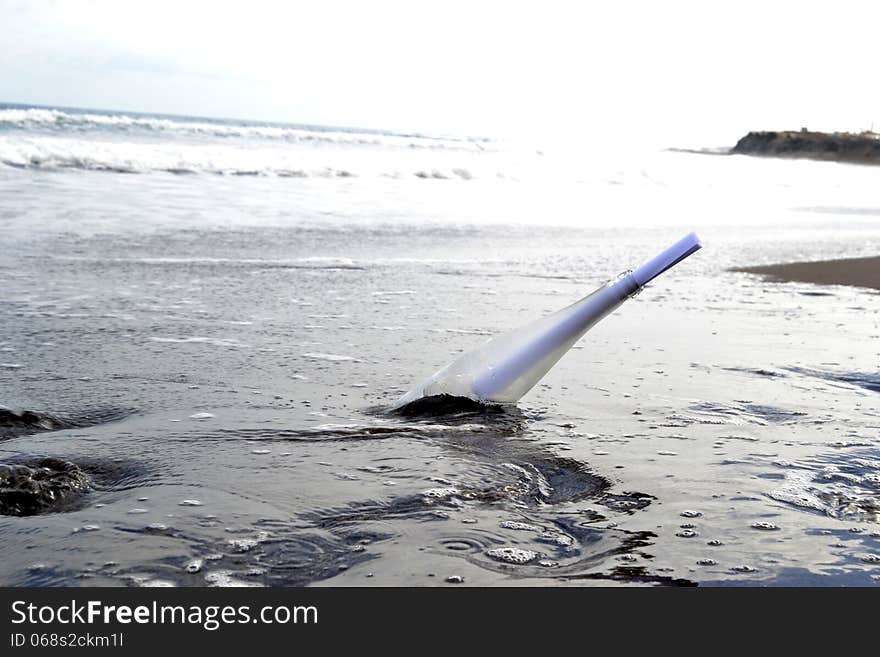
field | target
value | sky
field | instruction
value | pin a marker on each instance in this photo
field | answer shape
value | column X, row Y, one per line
column 695, row 73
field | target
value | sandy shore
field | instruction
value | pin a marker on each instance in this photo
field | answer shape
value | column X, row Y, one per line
column 858, row 272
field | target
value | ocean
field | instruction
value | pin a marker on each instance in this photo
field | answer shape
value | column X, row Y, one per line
column 204, row 321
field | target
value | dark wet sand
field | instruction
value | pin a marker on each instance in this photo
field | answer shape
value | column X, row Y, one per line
column 857, row 272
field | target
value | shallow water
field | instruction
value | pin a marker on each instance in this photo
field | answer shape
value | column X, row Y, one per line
column 213, row 355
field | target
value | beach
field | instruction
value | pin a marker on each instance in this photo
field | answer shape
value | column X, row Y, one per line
column 204, row 323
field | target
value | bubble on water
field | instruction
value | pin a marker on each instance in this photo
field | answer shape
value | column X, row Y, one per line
column 714, row 542
column 156, row 583
column 89, row 528
column 213, row 557
column 707, row 562
column 561, row 540
column 765, row 526
column 455, row 579
column 243, row 544
column 469, row 521
column 512, row 555
column 225, row 578
column 686, row 533
column 193, row 566
column 189, row 503
column 627, row 557
column 547, row 563
column 201, row 416
column 688, row 525
column 871, row 558
column 627, row 502
column 440, row 493
column 358, row 548
column 798, row 497
column 261, row 451
column 157, row 526
column 690, row 514
column 247, row 544
column 519, row 526
column 744, row 569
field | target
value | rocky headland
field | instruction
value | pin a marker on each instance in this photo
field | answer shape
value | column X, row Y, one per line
column 860, row 148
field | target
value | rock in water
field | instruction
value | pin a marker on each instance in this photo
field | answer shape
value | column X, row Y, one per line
column 27, row 489
column 19, row 422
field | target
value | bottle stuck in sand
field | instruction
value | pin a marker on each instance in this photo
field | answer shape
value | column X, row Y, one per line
column 506, row 367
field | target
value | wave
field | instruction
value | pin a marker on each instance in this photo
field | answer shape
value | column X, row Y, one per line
column 60, row 153
column 312, row 262
column 40, row 118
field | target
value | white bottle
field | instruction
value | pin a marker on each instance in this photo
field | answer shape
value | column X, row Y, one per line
column 506, row 367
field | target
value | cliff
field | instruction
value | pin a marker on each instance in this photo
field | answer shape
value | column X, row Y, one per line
column 862, row 148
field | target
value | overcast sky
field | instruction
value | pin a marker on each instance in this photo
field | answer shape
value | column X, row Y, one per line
column 688, row 71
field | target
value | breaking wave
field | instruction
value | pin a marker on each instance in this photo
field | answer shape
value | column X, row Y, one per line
column 54, row 153
column 45, row 118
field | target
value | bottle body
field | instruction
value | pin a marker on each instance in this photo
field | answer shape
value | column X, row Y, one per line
column 506, row 367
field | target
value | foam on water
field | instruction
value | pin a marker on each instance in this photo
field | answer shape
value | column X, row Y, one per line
column 512, row 555
column 342, row 159
column 332, row 358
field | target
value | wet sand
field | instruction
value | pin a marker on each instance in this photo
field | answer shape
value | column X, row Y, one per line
column 200, row 398
column 856, row 272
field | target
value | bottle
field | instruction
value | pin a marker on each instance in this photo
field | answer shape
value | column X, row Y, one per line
column 506, row 367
